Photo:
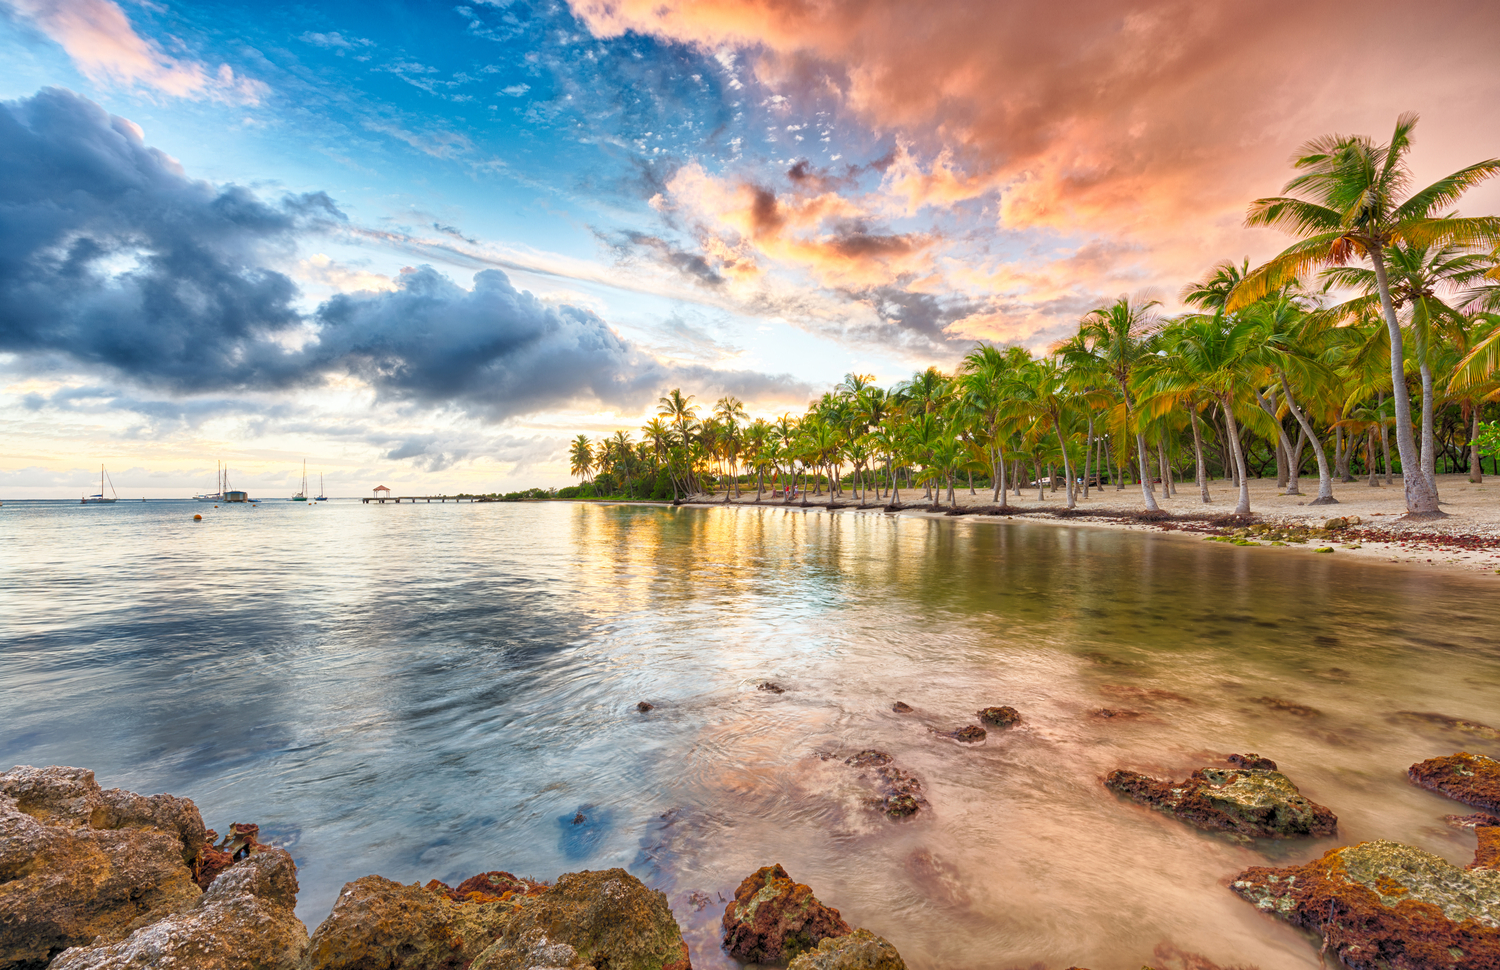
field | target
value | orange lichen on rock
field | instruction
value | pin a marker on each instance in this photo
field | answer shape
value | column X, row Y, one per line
column 773, row 919
column 1473, row 779
column 1382, row 905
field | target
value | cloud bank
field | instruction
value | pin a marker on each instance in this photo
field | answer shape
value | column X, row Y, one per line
column 112, row 259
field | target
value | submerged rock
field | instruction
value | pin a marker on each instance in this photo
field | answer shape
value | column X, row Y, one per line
column 860, row 950
column 80, row 864
column 773, row 919
column 1000, row 717
column 771, row 687
column 1473, row 779
column 245, row 921
column 1287, row 707
column 899, row 792
column 606, row 920
column 1455, row 723
column 868, row 758
column 645, row 706
column 1109, row 713
column 968, row 734
column 1380, row 905
column 1244, row 802
column 901, row 707
column 380, row 924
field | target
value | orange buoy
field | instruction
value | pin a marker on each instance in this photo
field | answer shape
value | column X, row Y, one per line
column 197, row 518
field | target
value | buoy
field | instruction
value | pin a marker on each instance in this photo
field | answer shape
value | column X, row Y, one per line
column 199, row 518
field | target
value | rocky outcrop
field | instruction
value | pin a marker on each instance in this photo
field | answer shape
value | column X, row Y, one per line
column 1252, row 761
column 860, row 950
column 968, row 734
column 773, row 919
column 606, row 920
column 379, row 924
column 245, row 921
column 1242, row 801
column 80, row 864
column 1000, row 717
column 1469, row 778
column 1381, row 905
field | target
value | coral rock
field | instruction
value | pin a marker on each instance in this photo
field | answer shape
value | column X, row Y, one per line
column 79, row 864
column 1469, row 778
column 869, row 758
column 968, row 734
column 379, row 924
column 860, row 950
column 1252, row 761
column 901, row 707
column 900, row 793
column 773, row 919
column 245, row 921
column 773, row 688
column 645, row 706
column 1001, row 717
column 1244, row 802
column 1380, row 905
column 606, row 919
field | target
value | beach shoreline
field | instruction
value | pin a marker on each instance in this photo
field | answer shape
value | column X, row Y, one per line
column 1467, row 540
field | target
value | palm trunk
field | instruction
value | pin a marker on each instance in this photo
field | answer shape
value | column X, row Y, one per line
column 1421, row 496
column 1429, row 450
column 1374, row 472
column 1147, row 492
column 1476, row 470
column 1199, row 470
column 1325, row 474
column 1088, row 453
column 1067, row 469
column 1000, row 481
column 1238, row 451
column 1283, row 449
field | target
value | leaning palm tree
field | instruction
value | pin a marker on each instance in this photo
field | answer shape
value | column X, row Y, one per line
column 1117, row 335
column 1348, row 205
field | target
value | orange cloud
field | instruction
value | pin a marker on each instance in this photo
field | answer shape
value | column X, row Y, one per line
column 98, row 37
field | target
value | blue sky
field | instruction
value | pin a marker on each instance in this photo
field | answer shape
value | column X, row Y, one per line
column 707, row 195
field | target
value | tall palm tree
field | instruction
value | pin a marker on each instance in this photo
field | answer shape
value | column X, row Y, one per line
column 1348, row 204
column 1117, row 335
column 680, row 410
column 581, row 457
column 624, row 448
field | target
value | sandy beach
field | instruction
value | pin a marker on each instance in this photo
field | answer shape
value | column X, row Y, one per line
column 1467, row 539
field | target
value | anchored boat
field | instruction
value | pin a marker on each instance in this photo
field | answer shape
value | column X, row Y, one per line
column 100, row 499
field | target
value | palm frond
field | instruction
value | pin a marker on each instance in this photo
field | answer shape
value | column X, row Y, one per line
column 1446, row 192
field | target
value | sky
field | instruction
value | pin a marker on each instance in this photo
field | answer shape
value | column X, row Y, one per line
column 424, row 245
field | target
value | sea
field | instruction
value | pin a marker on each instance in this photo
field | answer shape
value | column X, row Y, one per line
column 428, row 691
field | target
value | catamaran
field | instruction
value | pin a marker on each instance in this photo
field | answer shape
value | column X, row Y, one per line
column 302, row 495
column 100, row 499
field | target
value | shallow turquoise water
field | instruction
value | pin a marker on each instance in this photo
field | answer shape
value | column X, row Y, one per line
column 434, row 690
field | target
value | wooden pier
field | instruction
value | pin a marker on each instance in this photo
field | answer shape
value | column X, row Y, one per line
column 398, row 499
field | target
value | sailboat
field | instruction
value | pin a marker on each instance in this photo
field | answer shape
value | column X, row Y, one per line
column 302, row 495
column 321, row 497
column 100, row 499
column 219, row 484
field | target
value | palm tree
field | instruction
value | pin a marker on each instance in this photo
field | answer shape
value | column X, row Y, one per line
column 682, row 413
column 1348, row 204
column 623, row 449
column 1117, row 335
column 729, row 411
column 581, row 457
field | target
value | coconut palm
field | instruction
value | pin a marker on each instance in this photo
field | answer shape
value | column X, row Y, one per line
column 1348, row 204
column 1117, row 336
column 581, row 457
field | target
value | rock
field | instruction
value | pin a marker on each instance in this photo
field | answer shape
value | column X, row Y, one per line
column 379, row 924
column 860, row 950
column 1109, row 712
column 774, row 688
column 900, row 793
column 969, row 734
column 245, row 921
column 242, row 840
column 1288, row 707
column 80, row 865
column 489, row 887
column 1380, row 905
column 607, row 919
column 1487, row 852
column 1000, row 717
column 773, row 919
column 1245, row 802
column 901, row 707
column 1456, row 723
column 1473, row 779
column 1475, row 821
column 1252, row 761
column 645, row 706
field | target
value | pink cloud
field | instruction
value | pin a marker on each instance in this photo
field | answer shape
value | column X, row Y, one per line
column 98, row 37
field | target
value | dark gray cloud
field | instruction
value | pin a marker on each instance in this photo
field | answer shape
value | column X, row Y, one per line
column 113, row 259
column 693, row 265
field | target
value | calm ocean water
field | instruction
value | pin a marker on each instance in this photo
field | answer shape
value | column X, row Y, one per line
column 435, row 690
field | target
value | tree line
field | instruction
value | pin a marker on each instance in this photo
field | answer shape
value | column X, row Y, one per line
column 1381, row 321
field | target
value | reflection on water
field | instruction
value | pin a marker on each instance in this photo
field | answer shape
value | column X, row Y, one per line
column 436, row 690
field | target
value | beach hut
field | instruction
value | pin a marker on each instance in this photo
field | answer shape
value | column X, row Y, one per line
column 382, row 492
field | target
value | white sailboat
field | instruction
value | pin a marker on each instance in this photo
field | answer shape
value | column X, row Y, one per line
column 321, row 496
column 219, row 487
column 302, row 495
column 100, row 499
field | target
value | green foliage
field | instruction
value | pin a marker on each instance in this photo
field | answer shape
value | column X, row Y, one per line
column 1488, row 439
